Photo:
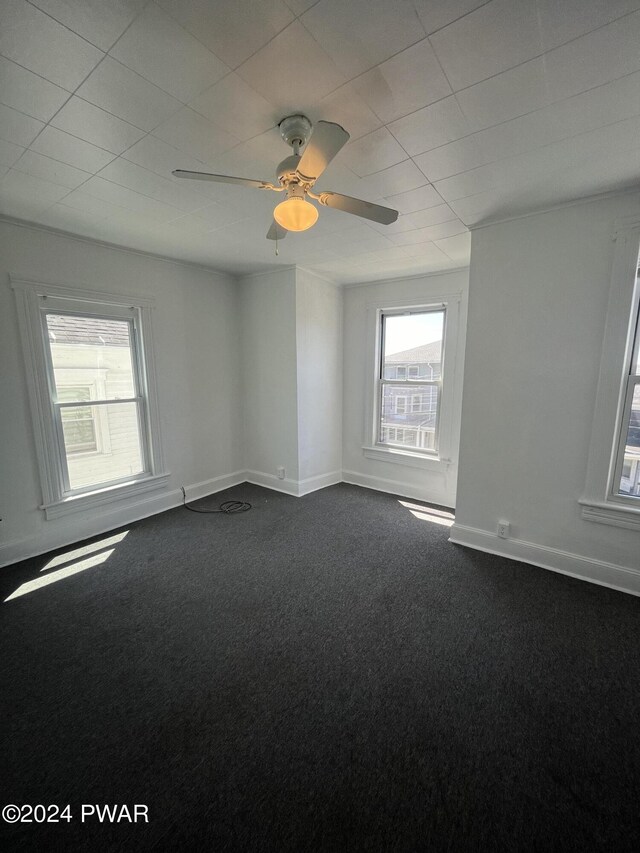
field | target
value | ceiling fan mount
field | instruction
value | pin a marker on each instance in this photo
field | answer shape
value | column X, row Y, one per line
column 297, row 174
column 295, row 129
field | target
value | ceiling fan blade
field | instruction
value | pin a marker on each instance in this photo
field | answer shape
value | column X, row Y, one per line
column 276, row 232
column 366, row 209
column 327, row 139
column 223, row 179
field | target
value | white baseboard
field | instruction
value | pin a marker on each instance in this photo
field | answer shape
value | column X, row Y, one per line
column 320, row 481
column 270, row 481
column 66, row 532
column 296, row 488
column 564, row 562
column 397, row 487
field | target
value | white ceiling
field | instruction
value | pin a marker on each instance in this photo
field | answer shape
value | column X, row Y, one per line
column 459, row 111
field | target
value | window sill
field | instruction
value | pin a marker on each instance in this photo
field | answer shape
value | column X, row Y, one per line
column 618, row 514
column 101, row 497
column 406, row 457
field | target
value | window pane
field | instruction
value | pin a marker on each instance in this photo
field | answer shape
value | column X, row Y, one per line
column 409, row 419
column 413, row 345
column 79, row 429
column 117, row 451
column 93, row 353
column 630, row 479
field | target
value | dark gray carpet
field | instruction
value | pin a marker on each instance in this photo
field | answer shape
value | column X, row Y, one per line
column 320, row 674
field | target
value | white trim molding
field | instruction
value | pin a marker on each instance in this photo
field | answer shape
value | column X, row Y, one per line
column 71, row 530
column 430, row 493
column 600, row 500
column 33, row 299
column 565, row 563
column 295, row 488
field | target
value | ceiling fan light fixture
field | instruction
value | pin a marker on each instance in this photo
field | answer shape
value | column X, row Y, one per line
column 295, row 214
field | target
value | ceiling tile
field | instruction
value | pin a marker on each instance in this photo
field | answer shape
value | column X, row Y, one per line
column 255, row 158
column 29, row 191
column 70, row 219
column 25, row 91
column 348, row 109
column 458, row 248
column 152, row 38
column 397, row 179
column 9, row 153
column 195, row 135
column 179, row 194
column 417, row 199
column 495, row 37
column 430, row 127
column 91, row 205
column 403, row 223
column 405, row 83
column 233, row 29
column 68, row 149
column 300, row 6
column 436, row 14
column 362, row 33
column 505, row 96
column 453, row 158
column 51, row 170
column 94, row 125
column 603, row 105
column 476, row 208
column 205, row 220
column 99, row 22
column 161, row 158
column 372, row 153
column 292, row 71
column 431, row 232
column 594, row 59
column 18, row 128
column 473, row 181
column 431, row 216
column 233, row 105
column 147, row 208
column 562, row 22
column 125, row 94
column 39, row 43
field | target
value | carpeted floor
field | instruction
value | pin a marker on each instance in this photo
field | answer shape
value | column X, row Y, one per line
column 319, row 674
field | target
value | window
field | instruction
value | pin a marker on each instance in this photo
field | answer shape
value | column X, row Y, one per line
column 403, row 387
column 626, row 480
column 92, row 393
column 612, row 487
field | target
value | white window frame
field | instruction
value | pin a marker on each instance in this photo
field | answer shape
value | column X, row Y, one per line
column 601, row 502
column 33, row 300
column 441, row 458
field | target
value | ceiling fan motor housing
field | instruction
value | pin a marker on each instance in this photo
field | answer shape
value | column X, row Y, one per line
column 286, row 171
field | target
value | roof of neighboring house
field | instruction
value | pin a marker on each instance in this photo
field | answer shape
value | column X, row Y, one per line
column 64, row 329
column 427, row 353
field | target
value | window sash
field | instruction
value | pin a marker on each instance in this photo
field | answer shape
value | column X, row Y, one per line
column 409, row 382
column 633, row 381
column 129, row 315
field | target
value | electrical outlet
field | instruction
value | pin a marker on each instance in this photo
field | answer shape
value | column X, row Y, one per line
column 281, row 473
column 503, row 529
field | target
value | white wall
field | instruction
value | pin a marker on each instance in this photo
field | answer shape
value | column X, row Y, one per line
column 292, row 379
column 538, row 300
column 267, row 350
column 319, row 350
column 197, row 344
column 360, row 303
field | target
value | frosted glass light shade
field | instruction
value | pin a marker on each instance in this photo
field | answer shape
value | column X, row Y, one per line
column 295, row 214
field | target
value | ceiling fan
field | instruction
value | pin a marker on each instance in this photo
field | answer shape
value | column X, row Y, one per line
column 297, row 174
